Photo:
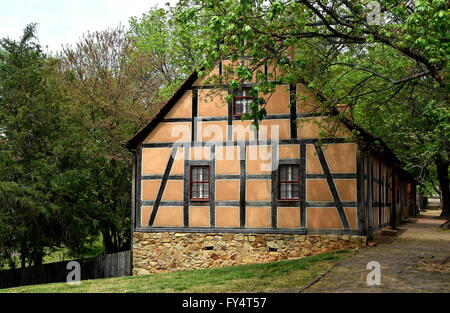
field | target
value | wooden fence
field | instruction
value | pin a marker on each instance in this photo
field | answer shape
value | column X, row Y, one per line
column 104, row 266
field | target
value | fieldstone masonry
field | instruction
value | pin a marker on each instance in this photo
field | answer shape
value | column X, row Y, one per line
column 166, row 252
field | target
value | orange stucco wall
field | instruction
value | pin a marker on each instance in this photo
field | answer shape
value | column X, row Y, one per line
column 258, row 159
column 314, row 127
column 150, row 189
column 212, row 102
column 154, row 160
column 289, row 151
column 183, row 108
column 346, row 189
column 258, row 162
column 289, row 217
column 276, row 103
column 170, row 132
column 227, row 160
column 340, row 157
column 212, row 131
column 352, row 216
column 258, row 217
column 199, row 216
column 312, row 161
column 173, row 191
column 227, row 189
column 169, row 216
column 227, row 216
column 242, row 130
column 178, row 163
column 306, row 100
column 145, row 215
column 275, row 129
column 323, row 218
column 258, row 189
column 199, row 153
column 318, row 190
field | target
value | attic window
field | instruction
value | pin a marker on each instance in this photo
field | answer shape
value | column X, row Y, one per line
column 241, row 101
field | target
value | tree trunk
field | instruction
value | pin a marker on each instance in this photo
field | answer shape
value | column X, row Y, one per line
column 38, row 257
column 442, row 167
column 107, row 244
column 126, row 243
column 23, row 263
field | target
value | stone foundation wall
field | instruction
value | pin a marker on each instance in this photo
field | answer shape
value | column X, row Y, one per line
column 165, row 252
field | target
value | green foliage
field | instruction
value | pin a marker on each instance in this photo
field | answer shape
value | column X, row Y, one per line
column 65, row 177
column 393, row 74
column 169, row 43
column 263, row 31
column 111, row 88
column 33, row 157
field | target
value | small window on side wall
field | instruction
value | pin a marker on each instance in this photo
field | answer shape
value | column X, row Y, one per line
column 289, row 182
column 199, row 185
column 241, row 101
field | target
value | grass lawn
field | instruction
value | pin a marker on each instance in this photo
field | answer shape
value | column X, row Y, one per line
column 243, row 278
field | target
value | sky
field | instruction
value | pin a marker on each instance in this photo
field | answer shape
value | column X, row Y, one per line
column 63, row 21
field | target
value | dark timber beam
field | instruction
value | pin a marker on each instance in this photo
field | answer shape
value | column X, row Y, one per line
column 334, row 192
column 230, row 117
column 194, row 115
column 393, row 202
column 133, row 193
column 293, row 110
column 274, row 174
column 138, row 187
column 186, row 186
column 369, row 198
column 242, row 181
column 251, row 142
column 360, row 190
column 212, row 187
column 302, row 185
column 162, row 186
column 380, row 200
column 289, row 231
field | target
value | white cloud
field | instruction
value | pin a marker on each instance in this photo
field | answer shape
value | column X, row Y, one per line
column 63, row 22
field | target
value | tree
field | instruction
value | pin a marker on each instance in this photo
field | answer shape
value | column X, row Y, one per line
column 113, row 90
column 171, row 45
column 33, row 157
column 392, row 53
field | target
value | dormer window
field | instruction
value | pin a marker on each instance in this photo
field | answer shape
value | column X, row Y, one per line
column 241, row 102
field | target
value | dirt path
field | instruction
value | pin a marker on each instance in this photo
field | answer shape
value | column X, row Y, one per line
column 416, row 260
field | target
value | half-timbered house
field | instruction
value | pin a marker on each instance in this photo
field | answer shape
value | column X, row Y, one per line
column 211, row 190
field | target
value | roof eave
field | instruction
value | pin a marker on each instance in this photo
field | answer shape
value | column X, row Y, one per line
column 140, row 136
